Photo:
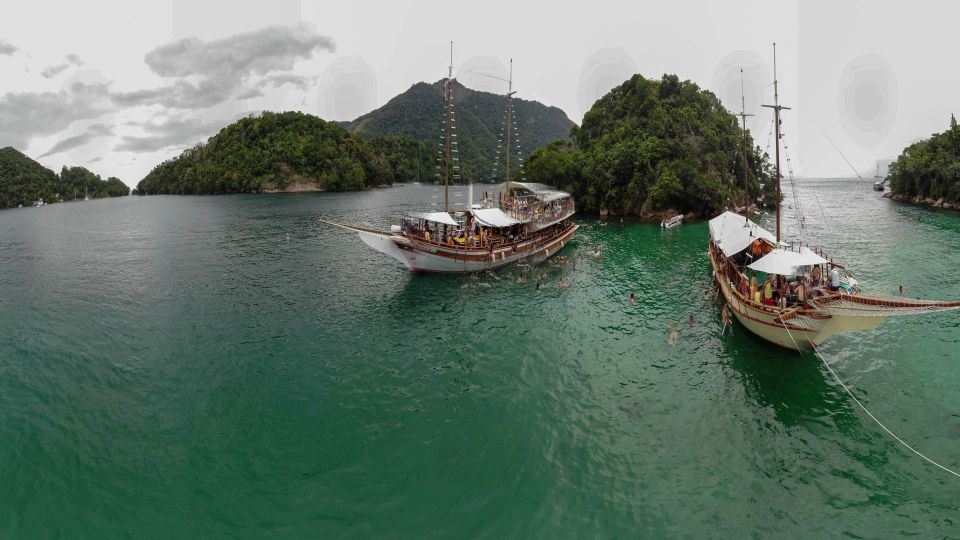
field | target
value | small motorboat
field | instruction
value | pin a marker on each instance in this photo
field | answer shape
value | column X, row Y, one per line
column 669, row 223
column 878, row 186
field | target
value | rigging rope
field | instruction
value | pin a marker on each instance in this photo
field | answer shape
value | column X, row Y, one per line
column 859, row 404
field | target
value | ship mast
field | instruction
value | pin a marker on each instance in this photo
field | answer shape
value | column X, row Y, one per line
column 746, row 166
column 509, row 145
column 448, row 97
column 776, row 121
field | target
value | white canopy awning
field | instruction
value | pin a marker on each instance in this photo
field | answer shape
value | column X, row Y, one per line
column 786, row 262
column 542, row 192
column 493, row 217
column 733, row 233
column 436, row 217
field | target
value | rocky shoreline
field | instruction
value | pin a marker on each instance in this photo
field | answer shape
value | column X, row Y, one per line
column 922, row 201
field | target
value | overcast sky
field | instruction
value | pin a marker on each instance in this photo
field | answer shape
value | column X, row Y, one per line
column 119, row 86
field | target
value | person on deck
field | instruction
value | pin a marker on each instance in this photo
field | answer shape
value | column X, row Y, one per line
column 834, row 279
column 816, row 277
column 768, row 291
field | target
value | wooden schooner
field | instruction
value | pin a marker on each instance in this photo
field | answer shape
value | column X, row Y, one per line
column 804, row 298
column 513, row 222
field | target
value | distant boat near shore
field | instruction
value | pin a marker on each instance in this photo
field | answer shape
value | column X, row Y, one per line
column 671, row 222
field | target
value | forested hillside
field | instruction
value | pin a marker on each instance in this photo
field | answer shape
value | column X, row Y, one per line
column 419, row 113
column 929, row 170
column 273, row 151
column 651, row 145
column 23, row 181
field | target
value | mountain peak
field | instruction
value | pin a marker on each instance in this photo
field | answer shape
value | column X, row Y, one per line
column 419, row 113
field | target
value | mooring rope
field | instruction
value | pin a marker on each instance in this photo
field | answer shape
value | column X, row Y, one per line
column 862, row 407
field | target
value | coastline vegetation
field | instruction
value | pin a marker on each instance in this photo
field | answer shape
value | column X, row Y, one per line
column 650, row 146
column 287, row 151
column 928, row 171
column 23, row 181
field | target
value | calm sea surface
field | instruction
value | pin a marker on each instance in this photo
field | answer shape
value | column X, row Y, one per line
column 228, row 366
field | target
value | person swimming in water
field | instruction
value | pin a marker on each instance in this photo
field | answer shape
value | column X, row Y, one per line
column 672, row 333
column 690, row 321
column 633, row 298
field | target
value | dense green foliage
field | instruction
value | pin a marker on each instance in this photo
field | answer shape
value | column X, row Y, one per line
column 23, row 180
column 653, row 145
column 419, row 113
column 77, row 181
column 929, row 168
column 270, row 152
column 410, row 160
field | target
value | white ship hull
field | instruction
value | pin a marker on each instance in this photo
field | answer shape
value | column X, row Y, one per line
column 801, row 332
column 424, row 257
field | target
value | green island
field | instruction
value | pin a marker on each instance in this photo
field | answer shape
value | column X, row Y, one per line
column 650, row 146
column 928, row 172
column 294, row 151
column 288, row 151
column 23, row 181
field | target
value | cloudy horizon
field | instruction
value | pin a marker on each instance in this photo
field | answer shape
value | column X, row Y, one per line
column 119, row 88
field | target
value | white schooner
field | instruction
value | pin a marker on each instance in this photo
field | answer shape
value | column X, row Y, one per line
column 513, row 222
column 802, row 298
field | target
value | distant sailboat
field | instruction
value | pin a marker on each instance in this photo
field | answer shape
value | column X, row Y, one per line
column 878, row 185
column 85, row 196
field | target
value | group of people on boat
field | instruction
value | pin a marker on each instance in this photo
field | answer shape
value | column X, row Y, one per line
column 455, row 236
column 784, row 291
column 471, row 235
column 528, row 207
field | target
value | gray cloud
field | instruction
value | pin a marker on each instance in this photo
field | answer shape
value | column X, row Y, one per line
column 6, row 48
column 303, row 83
column 25, row 115
column 175, row 132
column 275, row 48
column 250, row 94
column 53, row 71
column 93, row 132
column 220, row 69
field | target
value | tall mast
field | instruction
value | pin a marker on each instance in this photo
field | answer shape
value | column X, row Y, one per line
column 746, row 166
column 776, row 121
column 449, row 99
column 509, row 145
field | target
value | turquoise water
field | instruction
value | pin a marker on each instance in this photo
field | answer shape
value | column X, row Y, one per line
column 228, row 366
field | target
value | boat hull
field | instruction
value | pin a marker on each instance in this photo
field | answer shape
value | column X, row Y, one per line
column 421, row 257
column 800, row 333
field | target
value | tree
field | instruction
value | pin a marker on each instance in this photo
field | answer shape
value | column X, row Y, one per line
column 929, row 168
column 650, row 145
